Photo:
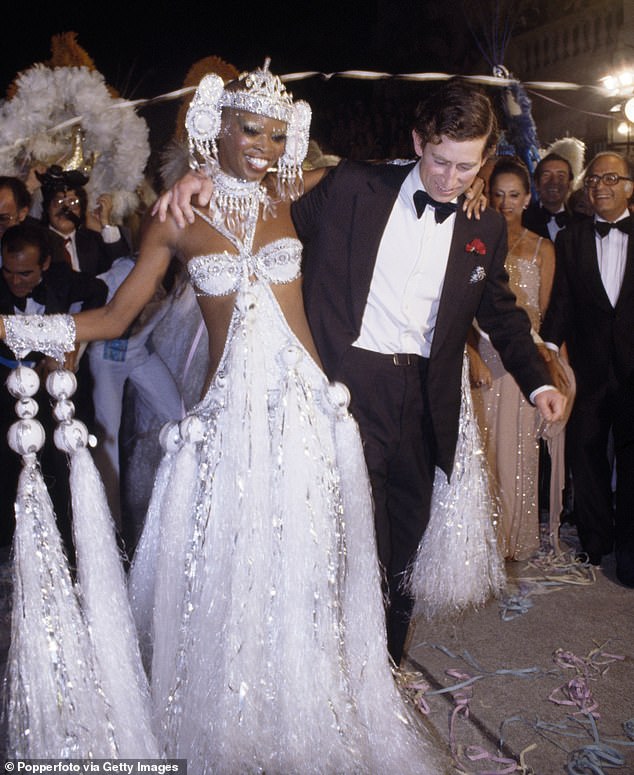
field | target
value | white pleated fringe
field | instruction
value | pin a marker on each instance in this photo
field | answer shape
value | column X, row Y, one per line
column 270, row 651
column 56, row 703
column 76, row 686
column 169, row 632
column 396, row 741
column 104, row 601
column 143, row 571
column 458, row 563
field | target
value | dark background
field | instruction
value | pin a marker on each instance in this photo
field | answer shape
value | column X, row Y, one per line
column 143, row 48
column 146, row 49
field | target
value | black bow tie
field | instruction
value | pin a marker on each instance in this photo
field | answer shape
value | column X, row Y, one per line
column 442, row 209
column 603, row 227
column 561, row 218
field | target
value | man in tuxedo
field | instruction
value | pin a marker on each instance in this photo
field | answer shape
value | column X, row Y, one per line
column 553, row 182
column 592, row 310
column 31, row 284
column 64, row 211
column 547, row 216
column 394, row 274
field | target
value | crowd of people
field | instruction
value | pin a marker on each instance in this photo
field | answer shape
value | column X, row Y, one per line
column 335, row 304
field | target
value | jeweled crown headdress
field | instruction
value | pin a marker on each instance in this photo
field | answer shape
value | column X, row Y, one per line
column 259, row 92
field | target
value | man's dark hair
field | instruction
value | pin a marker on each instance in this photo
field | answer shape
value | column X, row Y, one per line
column 23, row 235
column 459, row 110
column 511, row 165
column 18, row 189
column 552, row 157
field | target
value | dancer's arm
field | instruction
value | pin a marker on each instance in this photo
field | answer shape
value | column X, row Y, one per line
column 111, row 320
column 178, row 199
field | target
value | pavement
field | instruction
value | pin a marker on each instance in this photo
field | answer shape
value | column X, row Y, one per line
column 538, row 682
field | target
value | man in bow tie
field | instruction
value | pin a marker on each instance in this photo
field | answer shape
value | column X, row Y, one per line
column 394, row 274
column 592, row 310
column 30, row 283
column 553, row 183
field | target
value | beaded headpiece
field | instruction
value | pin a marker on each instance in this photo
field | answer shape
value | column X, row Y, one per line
column 259, row 92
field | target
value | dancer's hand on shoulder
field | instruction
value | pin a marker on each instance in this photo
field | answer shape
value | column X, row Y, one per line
column 475, row 201
column 178, row 198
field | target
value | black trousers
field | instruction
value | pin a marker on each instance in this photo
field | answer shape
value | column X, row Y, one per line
column 388, row 402
column 603, row 521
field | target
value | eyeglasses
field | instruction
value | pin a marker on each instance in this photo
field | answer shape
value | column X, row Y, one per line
column 67, row 201
column 609, row 178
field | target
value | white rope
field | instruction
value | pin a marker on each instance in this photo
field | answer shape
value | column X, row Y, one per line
column 368, row 75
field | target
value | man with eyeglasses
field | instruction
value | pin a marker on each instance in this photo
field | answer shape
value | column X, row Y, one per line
column 64, row 211
column 592, row 310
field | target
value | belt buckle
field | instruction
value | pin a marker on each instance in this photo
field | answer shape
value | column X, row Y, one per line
column 401, row 359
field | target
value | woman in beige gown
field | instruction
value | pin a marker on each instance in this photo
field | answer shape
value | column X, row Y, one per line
column 508, row 422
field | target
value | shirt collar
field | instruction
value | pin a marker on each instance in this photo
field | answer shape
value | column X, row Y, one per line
column 65, row 236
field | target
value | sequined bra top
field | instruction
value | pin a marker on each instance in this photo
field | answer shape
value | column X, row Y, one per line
column 219, row 274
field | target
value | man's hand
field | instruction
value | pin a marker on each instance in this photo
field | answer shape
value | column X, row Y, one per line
column 99, row 217
column 32, row 181
column 178, row 198
column 551, row 404
column 475, row 202
column 104, row 209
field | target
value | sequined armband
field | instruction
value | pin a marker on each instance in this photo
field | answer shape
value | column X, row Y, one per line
column 53, row 335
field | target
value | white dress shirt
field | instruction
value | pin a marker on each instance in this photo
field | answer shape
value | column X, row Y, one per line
column 553, row 227
column 612, row 257
column 402, row 306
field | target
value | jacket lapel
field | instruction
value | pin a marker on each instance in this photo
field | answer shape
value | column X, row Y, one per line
column 627, row 288
column 588, row 266
column 372, row 209
column 460, row 266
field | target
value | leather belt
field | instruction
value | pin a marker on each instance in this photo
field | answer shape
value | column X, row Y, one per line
column 406, row 359
column 372, row 359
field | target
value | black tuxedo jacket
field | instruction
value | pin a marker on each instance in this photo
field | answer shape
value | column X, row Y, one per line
column 341, row 222
column 95, row 256
column 535, row 220
column 599, row 337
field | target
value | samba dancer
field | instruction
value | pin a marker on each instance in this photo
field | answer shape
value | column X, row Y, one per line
column 256, row 582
